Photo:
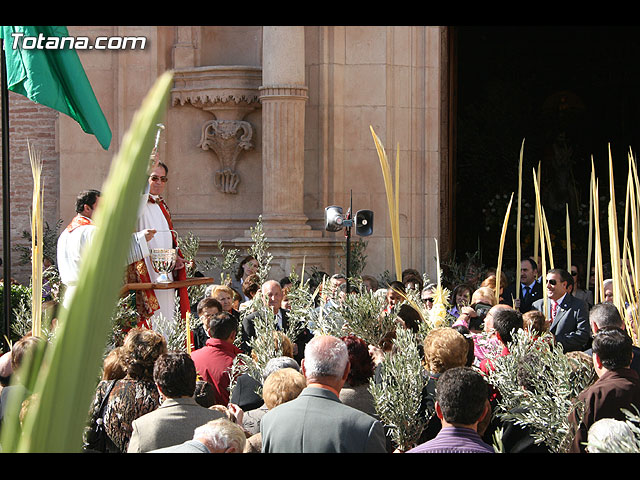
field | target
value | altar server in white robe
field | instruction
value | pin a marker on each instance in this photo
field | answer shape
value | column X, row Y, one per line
column 77, row 237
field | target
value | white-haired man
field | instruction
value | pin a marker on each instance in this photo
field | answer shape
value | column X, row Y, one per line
column 316, row 421
column 217, row 436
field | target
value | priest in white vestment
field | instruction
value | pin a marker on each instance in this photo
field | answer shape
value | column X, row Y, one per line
column 154, row 214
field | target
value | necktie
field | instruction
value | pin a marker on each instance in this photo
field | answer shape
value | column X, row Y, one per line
column 526, row 290
column 554, row 308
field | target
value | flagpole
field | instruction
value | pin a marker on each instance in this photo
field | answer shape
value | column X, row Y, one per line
column 6, row 230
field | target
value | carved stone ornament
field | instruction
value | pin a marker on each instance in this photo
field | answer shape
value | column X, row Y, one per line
column 227, row 138
column 228, row 93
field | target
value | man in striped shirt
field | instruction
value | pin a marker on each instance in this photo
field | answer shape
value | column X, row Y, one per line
column 462, row 401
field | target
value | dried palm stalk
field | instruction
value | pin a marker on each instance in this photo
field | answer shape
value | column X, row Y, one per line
column 590, row 240
column 568, row 229
column 543, row 263
column 37, row 239
column 614, row 245
column 518, row 246
column 501, row 251
column 392, row 199
column 536, row 223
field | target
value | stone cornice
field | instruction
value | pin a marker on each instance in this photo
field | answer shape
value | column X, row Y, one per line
column 214, row 86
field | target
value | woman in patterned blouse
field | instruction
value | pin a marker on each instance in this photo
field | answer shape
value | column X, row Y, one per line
column 135, row 394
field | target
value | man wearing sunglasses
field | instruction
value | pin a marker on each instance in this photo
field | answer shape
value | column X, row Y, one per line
column 156, row 215
column 567, row 315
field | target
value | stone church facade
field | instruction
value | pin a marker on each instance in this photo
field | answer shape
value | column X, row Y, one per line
column 270, row 121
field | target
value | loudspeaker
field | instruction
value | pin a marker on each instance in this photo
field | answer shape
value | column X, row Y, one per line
column 333, row 220
column 364, row 222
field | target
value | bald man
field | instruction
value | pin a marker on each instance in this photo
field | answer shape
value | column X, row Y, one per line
column 272, row 294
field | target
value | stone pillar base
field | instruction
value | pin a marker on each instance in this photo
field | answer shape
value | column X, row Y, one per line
column 286, row 226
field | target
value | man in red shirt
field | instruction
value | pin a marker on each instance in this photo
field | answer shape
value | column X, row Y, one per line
column 213, row 361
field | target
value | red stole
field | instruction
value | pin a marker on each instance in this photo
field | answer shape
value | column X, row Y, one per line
column 181, row 274
column 78, row 221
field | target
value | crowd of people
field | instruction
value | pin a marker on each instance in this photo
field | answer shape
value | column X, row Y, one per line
column 315, row 396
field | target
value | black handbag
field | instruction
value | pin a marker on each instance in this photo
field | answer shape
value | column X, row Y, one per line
column 96, row 439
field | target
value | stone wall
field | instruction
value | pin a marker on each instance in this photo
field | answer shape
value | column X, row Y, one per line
column 38, row 125
column 388, row 77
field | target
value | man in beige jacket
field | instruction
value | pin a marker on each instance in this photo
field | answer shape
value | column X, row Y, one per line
column 177, row 417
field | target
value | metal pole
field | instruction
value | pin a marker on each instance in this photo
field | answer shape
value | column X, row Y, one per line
column 6, row 230
column 348, row 234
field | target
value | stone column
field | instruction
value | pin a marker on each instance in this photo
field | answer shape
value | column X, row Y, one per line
column 283, row 96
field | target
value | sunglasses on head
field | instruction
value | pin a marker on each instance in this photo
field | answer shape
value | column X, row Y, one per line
column 155, row 178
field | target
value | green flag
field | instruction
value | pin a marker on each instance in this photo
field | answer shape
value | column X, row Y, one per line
column 53, row 76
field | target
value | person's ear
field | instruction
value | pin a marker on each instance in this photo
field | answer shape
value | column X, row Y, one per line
column 487, row 409
column 162, row 395
column 347, row 369
column 596, row 360
column 439, row 411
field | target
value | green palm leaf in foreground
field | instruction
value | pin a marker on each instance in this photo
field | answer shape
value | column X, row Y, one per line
column 66, row 383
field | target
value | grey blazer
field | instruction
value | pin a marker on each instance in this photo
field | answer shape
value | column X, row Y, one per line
column 172, row 423
column 317, row 422
column 571, row 323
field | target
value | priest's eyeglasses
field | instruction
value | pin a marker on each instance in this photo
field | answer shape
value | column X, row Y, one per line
column 155, row 178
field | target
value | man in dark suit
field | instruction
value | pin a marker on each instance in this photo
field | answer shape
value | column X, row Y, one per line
column 617, row 387
column 273, row 295
column 530, row 287
column 317, row 421
column 568, row 315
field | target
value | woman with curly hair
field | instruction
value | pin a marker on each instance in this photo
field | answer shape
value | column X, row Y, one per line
column 444, row 348
column 132, row 396
column 355, row 391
